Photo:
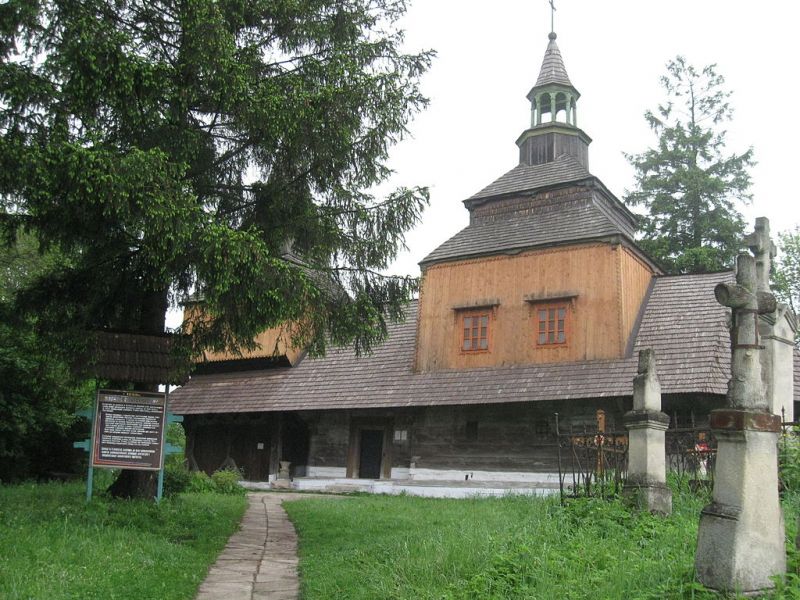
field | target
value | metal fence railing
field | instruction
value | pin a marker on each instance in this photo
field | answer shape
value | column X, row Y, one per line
column 595, row 462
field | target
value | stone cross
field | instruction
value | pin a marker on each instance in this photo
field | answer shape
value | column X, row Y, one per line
column 740, row 540
column 646, row 484
column 764, row 250
column 646, row 388
column 746, row 388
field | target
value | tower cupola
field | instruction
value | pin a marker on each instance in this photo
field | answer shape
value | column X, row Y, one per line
column 554, row 116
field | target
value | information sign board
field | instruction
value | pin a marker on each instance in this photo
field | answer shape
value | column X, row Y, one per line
column 129, row 430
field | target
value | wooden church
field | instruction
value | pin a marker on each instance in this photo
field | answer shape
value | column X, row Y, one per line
column 534, row 312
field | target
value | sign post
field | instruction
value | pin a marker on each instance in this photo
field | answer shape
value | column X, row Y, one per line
column 128, row 432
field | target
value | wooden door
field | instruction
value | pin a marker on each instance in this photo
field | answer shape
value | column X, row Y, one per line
column 371, row 454
column 250, row 450
column 370, row 450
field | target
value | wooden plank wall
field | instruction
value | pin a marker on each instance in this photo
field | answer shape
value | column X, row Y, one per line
column 635, row 279
column 597, row 327
column 515, row 437
column 273, row 342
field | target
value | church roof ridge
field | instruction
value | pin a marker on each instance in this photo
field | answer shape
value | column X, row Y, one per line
column 579, row 219
column 564, row 169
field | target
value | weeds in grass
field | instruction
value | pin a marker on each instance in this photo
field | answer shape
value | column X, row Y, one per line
column 54, row 545
column 505, row 548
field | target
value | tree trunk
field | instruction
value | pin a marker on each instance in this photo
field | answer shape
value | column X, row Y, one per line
column 133, row 483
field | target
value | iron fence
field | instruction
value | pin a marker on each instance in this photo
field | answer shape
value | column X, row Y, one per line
column 595, row 462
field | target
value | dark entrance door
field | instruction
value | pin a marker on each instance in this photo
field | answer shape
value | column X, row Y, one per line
column 250, row 451
column 369, row 463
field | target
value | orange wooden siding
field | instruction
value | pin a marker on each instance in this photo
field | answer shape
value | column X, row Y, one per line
column 602, row 284
column 635, row 279
column 274, row 342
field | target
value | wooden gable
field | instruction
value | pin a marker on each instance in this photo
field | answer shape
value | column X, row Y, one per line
column 597, row 289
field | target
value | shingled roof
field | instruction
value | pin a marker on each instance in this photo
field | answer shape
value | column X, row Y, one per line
column 553, row 69
column 522, row 178
column 135, row 357
column 682, row 322
column 580, row 219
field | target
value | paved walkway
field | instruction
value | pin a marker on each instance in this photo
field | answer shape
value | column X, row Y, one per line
column 260, row 560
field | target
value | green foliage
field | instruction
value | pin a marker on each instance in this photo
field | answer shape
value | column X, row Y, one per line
column 201, row 483
column 786, row 273
column 176, row 435
column 789, row 462
column 178, row 479
column 687, row 184
column 226, row 481
column 504, row 548
column 55, row 545
column 38, row 392
column 168, row 147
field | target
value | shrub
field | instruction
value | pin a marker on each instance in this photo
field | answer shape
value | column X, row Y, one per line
column 199, row 482
column 176, row 477
column 789, row 461
column 226, row 481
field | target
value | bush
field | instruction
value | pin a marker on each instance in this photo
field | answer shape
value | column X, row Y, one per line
column 176, row 477
column 227, row 482
column 201, row 483
column 789, row 461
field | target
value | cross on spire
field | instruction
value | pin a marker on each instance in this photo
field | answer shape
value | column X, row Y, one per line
column 552, row 16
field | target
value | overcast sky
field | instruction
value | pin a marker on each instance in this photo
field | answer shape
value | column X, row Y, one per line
column 489, row 55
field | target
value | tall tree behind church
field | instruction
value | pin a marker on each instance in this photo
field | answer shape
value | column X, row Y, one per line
column 688, row 184
column 786, row 270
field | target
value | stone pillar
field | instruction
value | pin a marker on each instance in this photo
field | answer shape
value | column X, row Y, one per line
column 284, row 480
column 740, row 541
column 646, row 486
column 776, row 329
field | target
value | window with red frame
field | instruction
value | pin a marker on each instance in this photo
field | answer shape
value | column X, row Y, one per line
column 475, row 327
column 551, row 324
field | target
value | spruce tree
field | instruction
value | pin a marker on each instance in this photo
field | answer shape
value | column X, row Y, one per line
column 688, row 185
column 178, row 145
column 786, row 270
column 223, row 147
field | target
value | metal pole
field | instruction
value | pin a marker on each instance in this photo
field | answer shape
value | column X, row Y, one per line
column 89, row 481
column 560, row 473
column 160, row 489
column 93, row 421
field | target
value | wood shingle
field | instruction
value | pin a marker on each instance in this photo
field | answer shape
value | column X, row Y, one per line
column 682, row 322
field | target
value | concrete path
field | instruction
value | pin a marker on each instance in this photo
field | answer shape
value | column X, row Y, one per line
column 260, row 560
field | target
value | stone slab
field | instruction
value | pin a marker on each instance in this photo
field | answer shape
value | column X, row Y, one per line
column 260, row 560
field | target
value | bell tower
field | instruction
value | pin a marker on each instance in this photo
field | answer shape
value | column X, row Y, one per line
column 554, row 115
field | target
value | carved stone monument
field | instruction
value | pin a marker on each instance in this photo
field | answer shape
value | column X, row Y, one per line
column 284, row 479
column 776, row 330
column 646, row 486
column 740, row 541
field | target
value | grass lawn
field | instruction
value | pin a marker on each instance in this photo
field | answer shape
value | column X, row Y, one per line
column 513, row 547
column 53, row 545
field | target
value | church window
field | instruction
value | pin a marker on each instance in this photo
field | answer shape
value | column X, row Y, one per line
column 551, row 324
column 475, row 330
